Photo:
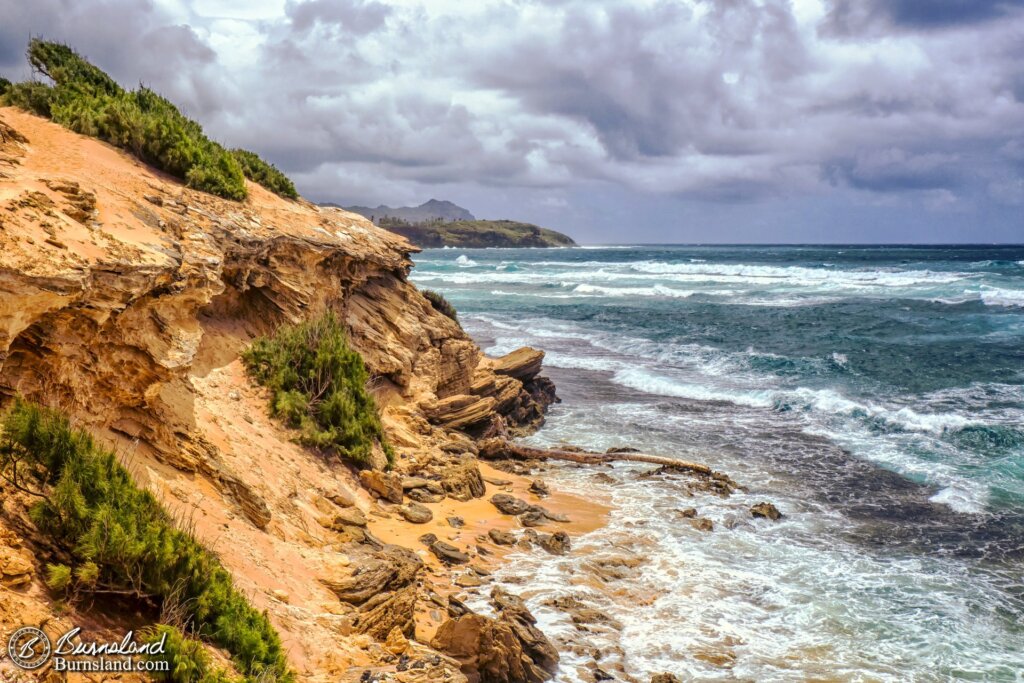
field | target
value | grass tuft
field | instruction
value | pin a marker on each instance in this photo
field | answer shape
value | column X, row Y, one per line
column 318, row 386
column 440, row 304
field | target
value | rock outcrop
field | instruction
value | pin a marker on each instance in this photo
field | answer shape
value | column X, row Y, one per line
column 509, row 649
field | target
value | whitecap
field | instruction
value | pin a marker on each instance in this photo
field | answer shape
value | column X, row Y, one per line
column 465, row 261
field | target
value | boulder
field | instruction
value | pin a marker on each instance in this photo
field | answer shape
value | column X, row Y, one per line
column 448, row 553
column 15, row 569
column 456, row 522
column 386, row 485
column 702, row 524
column 540, row 488
column 427, row 539
column 533, row 518
column 501, row 537
column 766, row 510
column 348, row 517
column 462, row 480
column 341, row 498
column 557, row 543
column 389, row 569
column 687, row 513
column 509, row 505
column 509, row 649
column 416, row 513
column 665, row 678
column 460, row 411
column 424, row 496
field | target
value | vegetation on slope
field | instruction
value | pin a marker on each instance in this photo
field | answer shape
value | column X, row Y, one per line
column 122, row 541
column 440, row 304
column 188, row 661
column 86, row 100
column 318, row 386
column 476, row 233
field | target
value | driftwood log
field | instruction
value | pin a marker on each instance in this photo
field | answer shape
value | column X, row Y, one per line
column 498, row 449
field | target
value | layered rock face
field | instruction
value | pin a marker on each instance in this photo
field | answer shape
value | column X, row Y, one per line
column 125, row 300
column 113, row 280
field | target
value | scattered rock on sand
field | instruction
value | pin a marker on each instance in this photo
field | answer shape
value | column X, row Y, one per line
column 557, row 543
column 540, row 488
column 533, row 518
column 348, row 517
column 509, row 505
column 427, row 539
column 416, row 513
column 341, row 498
column 424, row 496
column 387, row 485
column 468, row 581
column 501, row 537
column 456, row 522
column 766, row 510
column 463, row 481
column 448, row 553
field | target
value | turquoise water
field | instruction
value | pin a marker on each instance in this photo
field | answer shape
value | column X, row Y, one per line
column 876, row 395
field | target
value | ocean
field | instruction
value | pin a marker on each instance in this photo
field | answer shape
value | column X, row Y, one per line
column 875, row 395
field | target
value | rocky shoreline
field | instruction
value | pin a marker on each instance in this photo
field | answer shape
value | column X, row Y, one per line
column 125, row 302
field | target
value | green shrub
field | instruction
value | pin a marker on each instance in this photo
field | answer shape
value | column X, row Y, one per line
column 265, row 174
column 188, row 660
column 122, row 540
column 318, row 386
column 88, row 101
column 440, row 304
column 4, row 85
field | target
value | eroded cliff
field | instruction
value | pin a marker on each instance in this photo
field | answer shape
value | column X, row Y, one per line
column 125, row 300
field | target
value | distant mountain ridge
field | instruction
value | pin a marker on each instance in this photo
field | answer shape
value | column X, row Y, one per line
column 431, row 210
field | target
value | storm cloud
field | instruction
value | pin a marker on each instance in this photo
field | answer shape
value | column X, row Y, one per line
column 737, row 120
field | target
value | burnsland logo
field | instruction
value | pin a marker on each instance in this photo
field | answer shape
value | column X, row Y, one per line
column 29, row 648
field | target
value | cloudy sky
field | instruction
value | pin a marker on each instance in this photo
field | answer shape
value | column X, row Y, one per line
column 643, row 121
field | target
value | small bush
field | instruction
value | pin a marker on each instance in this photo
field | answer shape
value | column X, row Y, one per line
column 188, row 661
column 86, row 100
column 318, row 386
column 121, row 538
column 440, row 304
column 4, row 86
column 265, row 174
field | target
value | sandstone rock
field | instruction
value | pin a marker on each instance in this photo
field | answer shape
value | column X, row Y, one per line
column 348, row 517
column 341, row 498
column 383, row 586
column 766, row 511
column 540, row 488
column 249, row 501
column 461, row 411
column 462, row 480
column 427, row 539
column 509, row 649
column 409, row 483
column 456, row 522
column 387, row 485
column 468, row 581
column 665, row 678
column 15, row 569
column 416, row 513
column 501, row 537
column 702, row 524
column 424, row 496
column 396, row 643
column 557, row 543
column 448, row 553
column 687, row 513
column 509, row 505
column 523, row 363
column 533, row 518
